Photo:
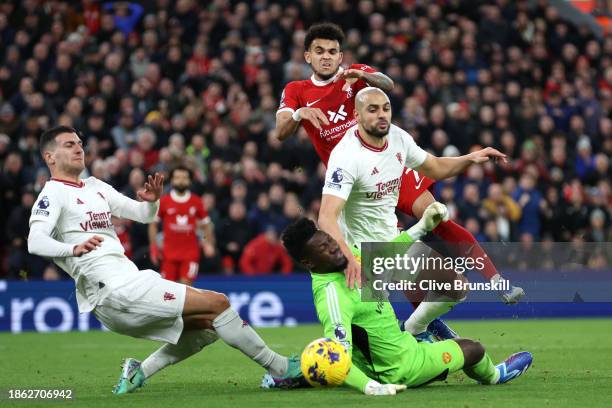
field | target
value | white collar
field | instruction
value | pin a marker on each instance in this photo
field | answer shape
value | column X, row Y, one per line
column 316, row 82
column 178, row 198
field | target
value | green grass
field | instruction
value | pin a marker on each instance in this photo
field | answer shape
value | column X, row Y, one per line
column 572, row 360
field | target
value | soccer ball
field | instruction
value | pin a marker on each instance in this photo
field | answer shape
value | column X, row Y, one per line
column 325, row 362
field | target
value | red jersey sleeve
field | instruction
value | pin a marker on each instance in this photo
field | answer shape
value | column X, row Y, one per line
column 290, row 100
column 359, row 85
column 363, row 67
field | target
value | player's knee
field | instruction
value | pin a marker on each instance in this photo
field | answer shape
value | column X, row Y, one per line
column 421, row 203
column 473, row 351
column 219, row 302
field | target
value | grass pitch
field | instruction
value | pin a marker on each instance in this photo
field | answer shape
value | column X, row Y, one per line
column 572, row 360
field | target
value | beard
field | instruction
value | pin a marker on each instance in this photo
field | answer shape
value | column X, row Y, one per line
column 376, row 132
column 180, row 189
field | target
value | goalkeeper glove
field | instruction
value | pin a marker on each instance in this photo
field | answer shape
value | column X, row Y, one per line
column 375, row 388
column 433, row 215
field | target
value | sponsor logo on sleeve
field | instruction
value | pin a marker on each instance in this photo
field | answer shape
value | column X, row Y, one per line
column 340, row 332
column 42, row 205
column 336, row 179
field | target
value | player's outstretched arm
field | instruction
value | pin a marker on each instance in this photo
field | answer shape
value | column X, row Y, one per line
column 375, row 79
column 439, row 168
column 145, row 211
column 285, row 125
column 287, row 122
column 153, row 188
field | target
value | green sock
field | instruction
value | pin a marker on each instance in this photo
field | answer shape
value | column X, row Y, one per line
column 484, row 371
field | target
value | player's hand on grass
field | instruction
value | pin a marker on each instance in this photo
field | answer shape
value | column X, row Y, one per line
column 314, row 116
column 375, row 388
column 152, row 188
column 484, row 155
column 87, row 246
column 353, row 273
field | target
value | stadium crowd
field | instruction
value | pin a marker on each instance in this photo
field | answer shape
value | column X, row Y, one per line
column 161, row 83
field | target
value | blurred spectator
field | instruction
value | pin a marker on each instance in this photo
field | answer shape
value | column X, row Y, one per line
column 233, row 233
column 503, row 210
column 265, row 254
column 530, row 201
column 126, row 15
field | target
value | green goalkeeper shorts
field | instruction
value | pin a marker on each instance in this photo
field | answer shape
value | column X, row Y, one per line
column 432, row 362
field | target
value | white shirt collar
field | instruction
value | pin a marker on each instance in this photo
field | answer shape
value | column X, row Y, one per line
column 178, row 198
column 316, row 82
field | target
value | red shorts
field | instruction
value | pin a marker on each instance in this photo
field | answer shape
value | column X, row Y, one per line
column 413, row 185
column 176, row 270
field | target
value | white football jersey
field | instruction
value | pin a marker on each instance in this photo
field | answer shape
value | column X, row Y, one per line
column 369, row 179
column 75, row 212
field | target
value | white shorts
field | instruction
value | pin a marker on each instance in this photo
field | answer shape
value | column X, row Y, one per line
column 148, row 307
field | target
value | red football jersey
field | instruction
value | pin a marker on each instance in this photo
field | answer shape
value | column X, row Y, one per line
column 179, row 216
column 335, row 102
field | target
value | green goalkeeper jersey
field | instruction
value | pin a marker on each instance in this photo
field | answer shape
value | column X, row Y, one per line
column 369, row 330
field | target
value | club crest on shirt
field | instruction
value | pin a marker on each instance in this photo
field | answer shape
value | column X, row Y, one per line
column 398, row 156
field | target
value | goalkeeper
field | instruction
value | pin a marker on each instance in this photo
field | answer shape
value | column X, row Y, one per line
column 385, row 359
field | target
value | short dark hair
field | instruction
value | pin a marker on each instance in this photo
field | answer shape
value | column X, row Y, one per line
column 296, row 235
column 325, row 31
column 49, row 135
column 181, row 168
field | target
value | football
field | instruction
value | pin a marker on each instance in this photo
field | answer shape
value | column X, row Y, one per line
column 325, row 362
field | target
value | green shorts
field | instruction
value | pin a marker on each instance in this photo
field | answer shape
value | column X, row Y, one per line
column 433, row 362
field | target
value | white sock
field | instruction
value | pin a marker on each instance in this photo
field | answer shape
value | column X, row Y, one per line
column 423, row 315
column 238, row 334
column 189, row 344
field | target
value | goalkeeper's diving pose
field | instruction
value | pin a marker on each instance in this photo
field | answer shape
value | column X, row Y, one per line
column 385, row 359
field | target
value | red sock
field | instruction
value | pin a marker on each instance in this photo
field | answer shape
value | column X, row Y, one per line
column 454, row 233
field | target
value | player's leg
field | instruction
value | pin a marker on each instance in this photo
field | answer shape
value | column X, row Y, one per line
column 459, row 239
column 188, row 271
column 169, row 270
column 479, row 366
column 197, row 334
column 412, row 188
column 193, row 339
column 424, row 322
column 235, row 331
